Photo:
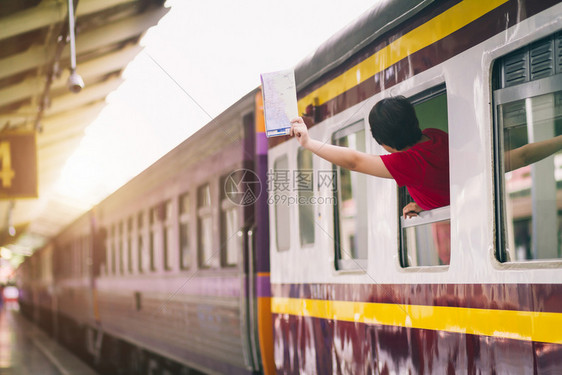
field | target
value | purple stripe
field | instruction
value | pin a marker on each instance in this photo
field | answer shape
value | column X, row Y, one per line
column 263, row 286
column 261, row 144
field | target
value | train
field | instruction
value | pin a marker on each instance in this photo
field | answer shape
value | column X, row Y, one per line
column 241, row 254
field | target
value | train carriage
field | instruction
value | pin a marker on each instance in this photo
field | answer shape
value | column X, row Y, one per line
column 174, row 280
column 356, row 288
column 156, row 276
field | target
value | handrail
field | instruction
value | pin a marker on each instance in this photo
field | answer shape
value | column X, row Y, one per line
column 427, row 217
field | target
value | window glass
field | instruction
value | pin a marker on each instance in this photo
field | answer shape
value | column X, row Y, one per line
column 426, row 239
column 168, row 234
column 130, row 245
column 112, row 250
column 76, row 253
column 304, row 183
column 532, row 190
column 205, row 244
column 204, row 198
column 231, row 237
column 185, row 257
column 140, row 241
column 152, row 237
column 528, row 139
column 351, row 223
column 119, row 245
column 280, row 197
column 206, row 256
column 231, row 229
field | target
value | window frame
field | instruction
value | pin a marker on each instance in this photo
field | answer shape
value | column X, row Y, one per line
column 352, row 264
column 184, row 221
column 129, row 238
column 502, row 96
column 140, row 240
column 112, row 252
column 434, row 216
column 227, row 207
column 275, row 198
column 167, row 228
column 205, row 212
column 121, row 250
column 153, row 222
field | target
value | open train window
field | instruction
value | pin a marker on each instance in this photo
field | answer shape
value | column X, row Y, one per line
column 425, row 240
column 304, row 184
column 279, row 194
column 527, row 87
column 350, row 210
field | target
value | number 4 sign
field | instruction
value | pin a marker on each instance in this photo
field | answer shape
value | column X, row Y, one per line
column 18, row 165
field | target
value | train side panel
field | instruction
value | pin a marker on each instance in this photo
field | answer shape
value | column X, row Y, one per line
column 174, row 281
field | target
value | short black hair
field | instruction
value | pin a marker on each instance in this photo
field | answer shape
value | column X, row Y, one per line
column 394, row 123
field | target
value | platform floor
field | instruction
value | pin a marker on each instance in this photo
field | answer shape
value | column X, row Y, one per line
column 27, row 350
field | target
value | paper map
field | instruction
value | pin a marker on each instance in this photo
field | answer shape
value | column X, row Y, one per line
column 279, row 101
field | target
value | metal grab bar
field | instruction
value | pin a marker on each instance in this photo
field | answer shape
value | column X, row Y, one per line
column 427, row 217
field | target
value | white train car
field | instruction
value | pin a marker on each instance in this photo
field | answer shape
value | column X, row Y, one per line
column 358, row 290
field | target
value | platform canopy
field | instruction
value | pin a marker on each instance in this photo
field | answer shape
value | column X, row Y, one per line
column 35, row 98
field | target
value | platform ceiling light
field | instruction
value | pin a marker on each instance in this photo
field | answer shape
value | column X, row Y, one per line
column 75, row 82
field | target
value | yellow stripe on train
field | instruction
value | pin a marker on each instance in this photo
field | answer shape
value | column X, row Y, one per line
column 430, row 32
column 520, row 325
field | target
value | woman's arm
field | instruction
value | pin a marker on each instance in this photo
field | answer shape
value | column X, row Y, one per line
column 531, row 153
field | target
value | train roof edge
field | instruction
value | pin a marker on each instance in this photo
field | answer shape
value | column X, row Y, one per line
column 361, row 32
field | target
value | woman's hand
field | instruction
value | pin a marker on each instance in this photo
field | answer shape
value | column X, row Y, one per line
column 411, row 210
column 299, row 130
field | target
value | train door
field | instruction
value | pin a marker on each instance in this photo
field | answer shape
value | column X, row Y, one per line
column 259, row 336
column 96, row 254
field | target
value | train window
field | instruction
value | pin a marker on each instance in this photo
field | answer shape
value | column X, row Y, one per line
column 304, row 183
column 205, row 224
column 152, row 237
column 111, row 250
column 63, row 263
column 528, row 139
column 130, row 245
column 168, row 234
column 87, row 262
column 119, row 245
column 426, row 239
column 350, row 211
column 80, row 256
column 75, row 250
column 140, row 242
column 69, row 259
column 184, row 211
column 279, row 196
column 230, row 225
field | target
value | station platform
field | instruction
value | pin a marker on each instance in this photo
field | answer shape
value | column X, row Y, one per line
column 27, row 350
